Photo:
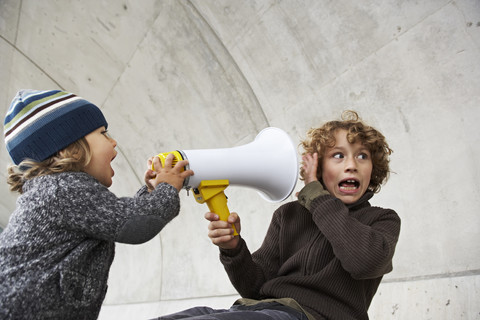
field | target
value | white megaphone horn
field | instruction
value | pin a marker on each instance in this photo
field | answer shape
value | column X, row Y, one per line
column 268, row 164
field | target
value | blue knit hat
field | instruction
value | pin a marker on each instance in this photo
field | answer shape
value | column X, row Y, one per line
column 38, row 124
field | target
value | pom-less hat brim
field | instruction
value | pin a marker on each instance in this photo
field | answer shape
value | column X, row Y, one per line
column 39, row 124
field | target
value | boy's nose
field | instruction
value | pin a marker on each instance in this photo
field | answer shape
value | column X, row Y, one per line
column 350, row 164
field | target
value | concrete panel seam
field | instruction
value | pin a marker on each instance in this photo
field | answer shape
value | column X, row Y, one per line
column 466, row 273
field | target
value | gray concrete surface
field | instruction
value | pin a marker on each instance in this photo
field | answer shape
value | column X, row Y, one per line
column 211, row 74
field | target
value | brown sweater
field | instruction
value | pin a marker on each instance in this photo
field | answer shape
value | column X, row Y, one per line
column 330, row 260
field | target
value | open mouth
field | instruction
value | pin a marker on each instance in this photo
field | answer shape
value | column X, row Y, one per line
column 113, row 171
column 349, row 185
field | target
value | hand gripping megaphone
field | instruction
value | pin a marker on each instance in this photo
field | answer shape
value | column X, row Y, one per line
column 268, row 164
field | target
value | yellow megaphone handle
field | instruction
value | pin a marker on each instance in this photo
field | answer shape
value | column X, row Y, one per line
column 211, row 192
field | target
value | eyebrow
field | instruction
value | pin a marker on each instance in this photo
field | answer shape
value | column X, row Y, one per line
column 363, row 148
column 340, row 148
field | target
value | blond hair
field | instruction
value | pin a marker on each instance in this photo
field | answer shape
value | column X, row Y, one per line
column 73, row 158
column 319, row 139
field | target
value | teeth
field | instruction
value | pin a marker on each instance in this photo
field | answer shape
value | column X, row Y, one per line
column 349, row 184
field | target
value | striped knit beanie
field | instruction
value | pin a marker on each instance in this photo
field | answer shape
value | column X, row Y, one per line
column 38, row 124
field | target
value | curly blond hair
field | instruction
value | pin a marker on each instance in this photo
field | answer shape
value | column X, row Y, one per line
column 319, row 139
column 73, row 158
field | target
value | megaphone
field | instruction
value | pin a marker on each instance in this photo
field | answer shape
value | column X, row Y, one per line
column 268, row 164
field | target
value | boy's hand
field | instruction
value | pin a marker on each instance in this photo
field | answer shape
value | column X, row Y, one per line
column 309, row 167
column 149, row 175
column 174, row 176
column 221, row 232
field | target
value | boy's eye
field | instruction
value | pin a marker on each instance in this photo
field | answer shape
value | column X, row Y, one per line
column 363, row 156
column 337, row 155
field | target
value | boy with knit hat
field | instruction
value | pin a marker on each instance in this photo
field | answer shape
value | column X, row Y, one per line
column 57, row 249
column 323, row 256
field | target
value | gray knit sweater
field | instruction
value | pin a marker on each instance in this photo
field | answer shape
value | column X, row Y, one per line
column 330, row 259
column 57, row 249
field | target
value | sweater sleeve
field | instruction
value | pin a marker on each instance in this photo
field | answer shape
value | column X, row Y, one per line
column 242, row 271
column 248, row 272
column 140, row 228
column 309, row 192
column 92, row 210
column 363, row 240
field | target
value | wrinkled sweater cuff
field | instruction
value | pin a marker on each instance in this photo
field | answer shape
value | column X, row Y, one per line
column 231, row 253
column 311, row 191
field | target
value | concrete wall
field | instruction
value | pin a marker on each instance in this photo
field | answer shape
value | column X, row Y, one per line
column 211, row 74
